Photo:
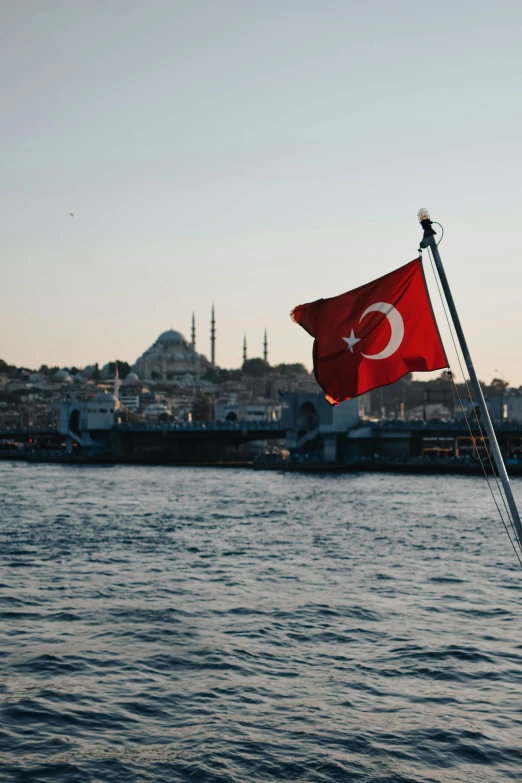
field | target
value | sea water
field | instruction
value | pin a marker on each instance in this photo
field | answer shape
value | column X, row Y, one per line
column 183, row 624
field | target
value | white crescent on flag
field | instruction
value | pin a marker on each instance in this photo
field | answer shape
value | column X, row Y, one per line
column 397, row 328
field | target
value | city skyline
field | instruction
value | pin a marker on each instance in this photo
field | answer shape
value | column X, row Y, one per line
column 194, row 342
column 258, row 157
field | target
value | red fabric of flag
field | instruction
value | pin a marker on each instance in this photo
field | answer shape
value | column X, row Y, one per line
column 373, row 335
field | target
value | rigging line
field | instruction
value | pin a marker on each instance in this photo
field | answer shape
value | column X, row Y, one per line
column 494, row 472
column 486, row 476
column 481, row 432
column 499, row 489
column 482, row 436
column 473, row 440
column 491, row 463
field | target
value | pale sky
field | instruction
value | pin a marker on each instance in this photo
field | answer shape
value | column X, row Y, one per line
column 257, row 154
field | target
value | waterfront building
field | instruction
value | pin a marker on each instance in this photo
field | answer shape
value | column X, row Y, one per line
column 244, row 411
column 311, row 422
column 81, row 420
column 155, row 411
column 130, row 401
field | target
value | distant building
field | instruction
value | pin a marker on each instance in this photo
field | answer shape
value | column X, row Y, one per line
column 171, row 358
column 504, row 406
column 148, row 398
column 513, row 407
column 62, row 376
column 81, row 420
column 156, row 410
column 312, row 423
column 247, row 412
column 130, row 401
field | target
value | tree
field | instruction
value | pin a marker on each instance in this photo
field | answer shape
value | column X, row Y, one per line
column 499, row 385
column 218, row 375
column 123, row 368
column 291, row 370
column 203, row 408
column 256, row 368
column 96, row 375
column 7, row 369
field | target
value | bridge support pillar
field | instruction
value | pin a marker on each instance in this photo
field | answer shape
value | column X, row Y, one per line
column 330, row 448
column 291, row 439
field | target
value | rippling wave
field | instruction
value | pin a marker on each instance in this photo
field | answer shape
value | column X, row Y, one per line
column 178, row 624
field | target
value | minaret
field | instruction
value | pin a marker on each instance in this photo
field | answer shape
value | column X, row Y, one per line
column 116, row 391
column 213, row 338
column 265, row 348
column 193, row 342
column 244, row 349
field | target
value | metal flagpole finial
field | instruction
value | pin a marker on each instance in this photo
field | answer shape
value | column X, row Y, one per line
column 425, row 221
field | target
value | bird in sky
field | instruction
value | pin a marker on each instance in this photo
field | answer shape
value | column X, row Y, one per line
column 71, row 214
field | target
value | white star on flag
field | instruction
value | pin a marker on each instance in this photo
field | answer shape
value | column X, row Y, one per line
column 351, row 341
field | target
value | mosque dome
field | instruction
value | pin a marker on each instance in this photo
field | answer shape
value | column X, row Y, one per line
column 62, row 375
column 106, row 371
column 131, row 378
column 87, row 371
column 104, row 397
column 170, row 337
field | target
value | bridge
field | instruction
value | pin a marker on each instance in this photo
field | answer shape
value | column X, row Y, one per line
column 247, row 430
column 191, row 440
column 223, row 440
column 258, row 430
column 163, row 442
column 26, row 433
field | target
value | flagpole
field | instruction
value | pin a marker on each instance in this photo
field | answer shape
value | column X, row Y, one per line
column 428, row 240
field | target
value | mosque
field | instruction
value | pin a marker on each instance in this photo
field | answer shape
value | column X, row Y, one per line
column 173, row 358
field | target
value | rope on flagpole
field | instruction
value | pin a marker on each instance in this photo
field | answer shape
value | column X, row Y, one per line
column 470, row 399
column 477, row 419
column 473, row 439
column 448, row 320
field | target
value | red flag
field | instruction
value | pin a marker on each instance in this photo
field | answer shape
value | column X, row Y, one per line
column 373, row 335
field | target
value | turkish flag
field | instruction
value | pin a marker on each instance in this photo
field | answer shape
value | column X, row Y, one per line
column 373, row 335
